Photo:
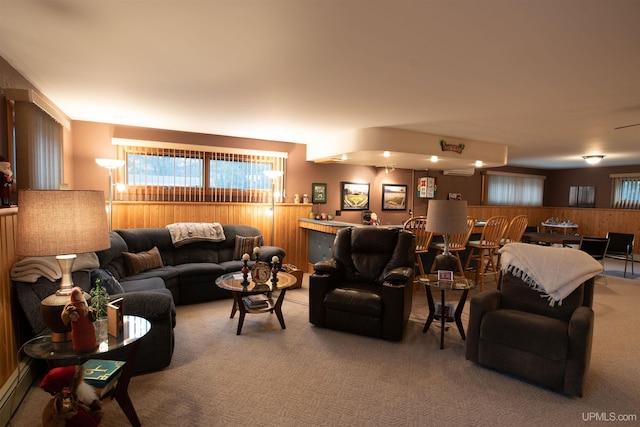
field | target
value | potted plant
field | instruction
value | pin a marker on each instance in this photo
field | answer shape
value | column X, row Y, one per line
column 99, row 301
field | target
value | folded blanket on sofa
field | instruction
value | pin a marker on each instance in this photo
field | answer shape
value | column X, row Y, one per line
column 189, row 232
column 30, row 269
column 556, row 272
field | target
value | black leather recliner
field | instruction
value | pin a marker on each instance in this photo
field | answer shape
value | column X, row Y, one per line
column 514, row 330
column 367, row 286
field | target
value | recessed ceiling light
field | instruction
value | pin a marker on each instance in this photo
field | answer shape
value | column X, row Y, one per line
column 592, row 160
column 386, row 154
column 479, row 163
column 434, row 159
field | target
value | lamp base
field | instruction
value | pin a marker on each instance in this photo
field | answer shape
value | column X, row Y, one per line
column 446, row 262
column 51, row 310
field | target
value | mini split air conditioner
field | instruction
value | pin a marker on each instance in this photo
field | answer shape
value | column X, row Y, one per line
column 459, row 172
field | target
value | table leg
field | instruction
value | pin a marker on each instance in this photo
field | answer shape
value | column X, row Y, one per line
column 278, row 308
column 121, row 392
column 458, row 314
column 238, row 305
column 432, row 309
column 443, row 319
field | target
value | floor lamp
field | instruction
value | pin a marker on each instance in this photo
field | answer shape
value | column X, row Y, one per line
column 273, row 175
column 110, row 164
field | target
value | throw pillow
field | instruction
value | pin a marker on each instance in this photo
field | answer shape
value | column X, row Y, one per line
column 142, row 261
column 245, row 245
column 110, row 283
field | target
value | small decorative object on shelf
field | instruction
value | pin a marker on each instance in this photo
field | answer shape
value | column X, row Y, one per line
column 256, row 252
column 245, row 270
column 274, row 271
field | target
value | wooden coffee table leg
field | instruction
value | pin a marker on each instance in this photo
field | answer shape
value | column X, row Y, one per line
column 237, row 296
column 121, row 392
column 278, row 308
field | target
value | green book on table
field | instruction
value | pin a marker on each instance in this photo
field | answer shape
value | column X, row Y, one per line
column 100, row 373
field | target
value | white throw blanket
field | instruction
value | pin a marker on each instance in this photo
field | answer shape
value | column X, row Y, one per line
column 31, row 268
column 189, row 232
column 556, row 272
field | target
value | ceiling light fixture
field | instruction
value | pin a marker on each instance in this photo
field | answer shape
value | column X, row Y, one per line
column 386, row 154
column 434, row 159
column 593, row 160
column 479, row 163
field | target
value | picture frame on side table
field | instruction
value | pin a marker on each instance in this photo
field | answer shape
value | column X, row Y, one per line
column 355, row 196
column 319, row 192
column 394, row 197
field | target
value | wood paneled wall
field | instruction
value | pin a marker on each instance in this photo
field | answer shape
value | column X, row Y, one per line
column 8, row 329
column 287, row 234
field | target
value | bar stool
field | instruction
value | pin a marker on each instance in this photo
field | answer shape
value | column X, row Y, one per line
column 483, row 251
column 417, row 226
column 515, row 230
column 457, row 244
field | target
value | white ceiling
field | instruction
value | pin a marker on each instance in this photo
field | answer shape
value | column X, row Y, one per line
column 550, row 79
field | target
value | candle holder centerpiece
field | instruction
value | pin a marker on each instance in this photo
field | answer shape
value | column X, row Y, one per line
column 245, row 270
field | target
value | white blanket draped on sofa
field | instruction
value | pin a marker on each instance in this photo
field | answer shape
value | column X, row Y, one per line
column 31, row 268
column 556, row 272
column 189, row 232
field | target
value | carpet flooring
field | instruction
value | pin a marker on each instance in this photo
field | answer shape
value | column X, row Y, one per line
column 305, row 375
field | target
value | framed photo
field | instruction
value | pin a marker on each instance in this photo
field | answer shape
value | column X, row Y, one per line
column 394, row 197
column 355, row 196
column 445, row 275
column 319, row 192
column 455, row 196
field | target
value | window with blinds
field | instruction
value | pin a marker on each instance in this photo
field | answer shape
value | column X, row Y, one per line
column 626, row 191
column 194, row 175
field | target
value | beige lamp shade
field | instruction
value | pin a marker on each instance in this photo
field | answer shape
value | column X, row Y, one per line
column 55, row 222
column 447, row 216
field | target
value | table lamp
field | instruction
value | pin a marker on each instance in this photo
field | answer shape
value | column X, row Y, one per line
column 61, row 223
column 446, row 217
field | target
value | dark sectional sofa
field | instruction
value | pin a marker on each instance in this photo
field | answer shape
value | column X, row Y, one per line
column 187, row 275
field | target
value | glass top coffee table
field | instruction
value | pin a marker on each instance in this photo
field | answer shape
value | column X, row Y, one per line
column 430, row 281
column 241, row 294
column 134, row 328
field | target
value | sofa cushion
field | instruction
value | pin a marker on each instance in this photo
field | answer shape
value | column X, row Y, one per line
column 245, row 245
column 107, row 281
column 142, row 261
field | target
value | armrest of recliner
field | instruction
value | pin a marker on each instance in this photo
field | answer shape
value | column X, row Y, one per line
column 398, row 275
column 319, row 285
column 479, row 305
column 580, row 339
column 326, row 266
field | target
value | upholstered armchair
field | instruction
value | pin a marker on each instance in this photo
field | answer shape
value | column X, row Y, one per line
column 515, row 331
column 367, row 286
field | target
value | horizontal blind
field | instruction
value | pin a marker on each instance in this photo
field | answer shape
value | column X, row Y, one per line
column 626, row 191
column 172, row 174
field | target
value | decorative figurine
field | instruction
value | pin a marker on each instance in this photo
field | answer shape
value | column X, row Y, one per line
column 81, row 316
column 6, row 180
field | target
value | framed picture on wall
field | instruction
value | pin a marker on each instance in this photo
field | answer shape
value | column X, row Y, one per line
column 355, row 196
column 319, row 192
column 394, row 197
